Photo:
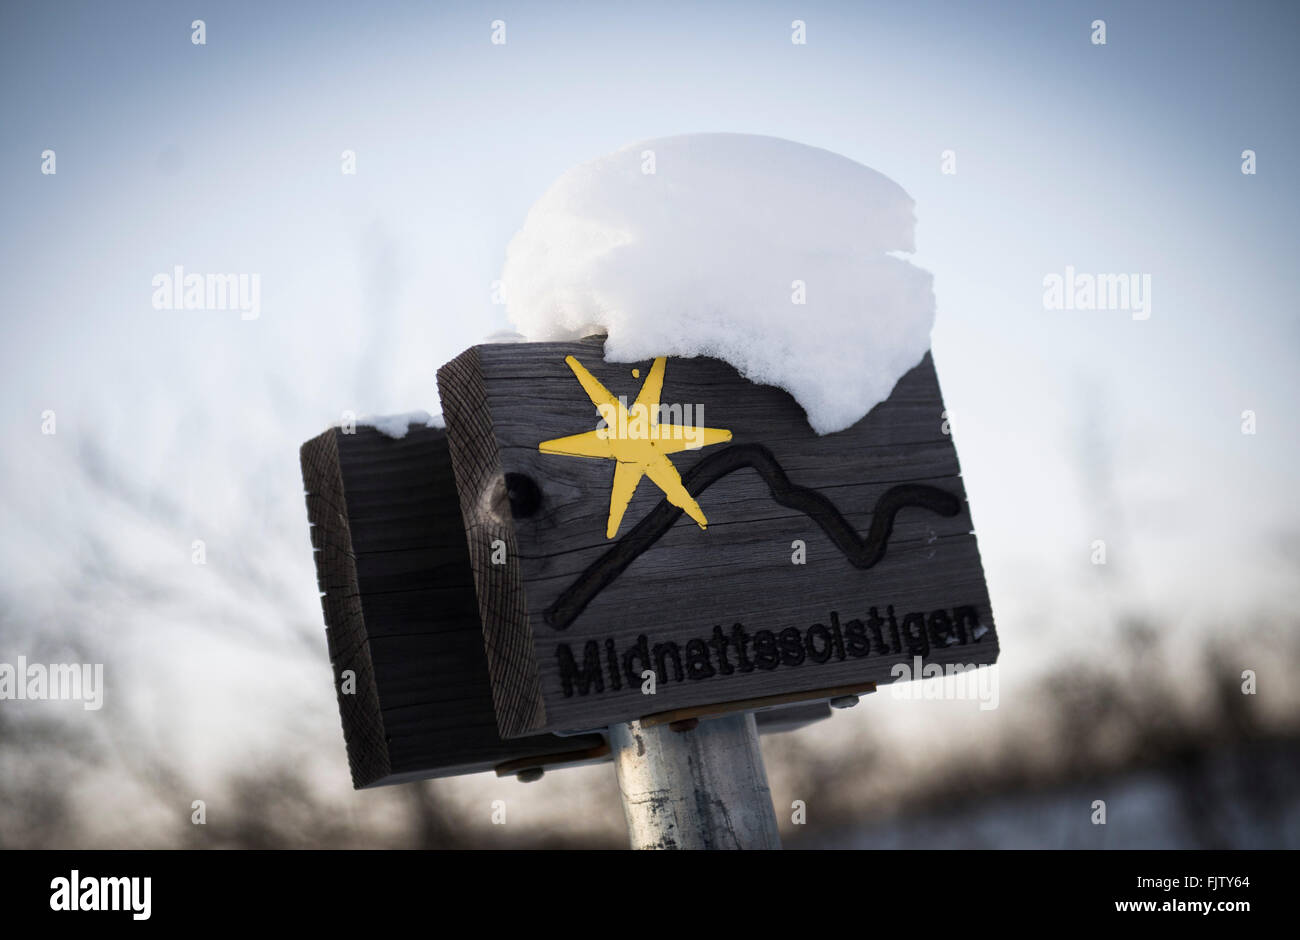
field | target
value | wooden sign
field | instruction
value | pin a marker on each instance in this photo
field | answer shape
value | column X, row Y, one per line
column 402, row 622
column 672, row 521
column 400, row 613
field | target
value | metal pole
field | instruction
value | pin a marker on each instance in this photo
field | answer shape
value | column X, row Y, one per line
column 702, row 787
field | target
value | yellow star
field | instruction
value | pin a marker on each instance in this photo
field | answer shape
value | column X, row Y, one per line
column 635, row 438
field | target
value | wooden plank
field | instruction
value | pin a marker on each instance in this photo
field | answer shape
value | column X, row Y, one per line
column 594, row 755
column 767, row 705
column 791, row 717
column 401, row 612
column 892, row 568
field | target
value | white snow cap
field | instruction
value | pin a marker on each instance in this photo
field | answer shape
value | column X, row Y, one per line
column 396, row 426
column 701, row 245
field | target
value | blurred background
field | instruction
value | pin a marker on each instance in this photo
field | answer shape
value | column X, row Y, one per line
column 1120, row 682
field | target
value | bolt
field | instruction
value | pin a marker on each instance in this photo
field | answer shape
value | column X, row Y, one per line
column 844, row 701
column 529, row 774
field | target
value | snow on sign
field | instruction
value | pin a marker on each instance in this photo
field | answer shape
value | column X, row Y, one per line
column 657, row 535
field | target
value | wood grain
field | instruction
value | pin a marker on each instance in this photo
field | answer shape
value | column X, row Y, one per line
column 401, row 612
column 501, row 401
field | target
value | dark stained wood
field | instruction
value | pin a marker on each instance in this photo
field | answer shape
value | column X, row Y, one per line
column 791, row 717
column 776, row 482
column 767, row 709
column 401, row 612
column 595, row 755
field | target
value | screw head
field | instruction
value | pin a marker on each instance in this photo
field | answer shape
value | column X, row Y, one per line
column 529, row 774
column 844, row 701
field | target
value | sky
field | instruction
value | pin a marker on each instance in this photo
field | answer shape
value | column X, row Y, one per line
column 175, row 426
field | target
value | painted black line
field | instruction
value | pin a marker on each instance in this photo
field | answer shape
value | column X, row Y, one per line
column 861, row 553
